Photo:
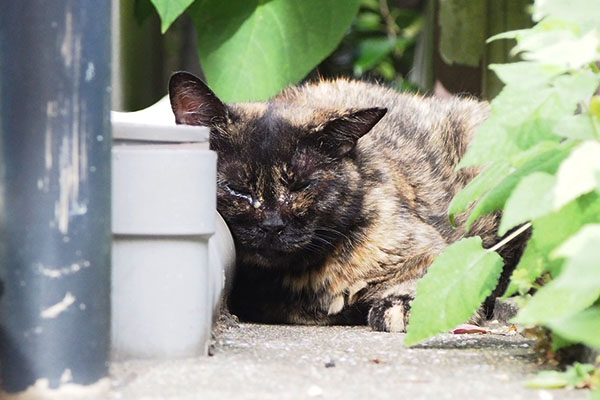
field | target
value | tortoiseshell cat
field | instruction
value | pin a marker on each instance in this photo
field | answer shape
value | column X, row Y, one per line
column 336, row 194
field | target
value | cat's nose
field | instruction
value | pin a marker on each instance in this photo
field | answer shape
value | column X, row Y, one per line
column 272, row 222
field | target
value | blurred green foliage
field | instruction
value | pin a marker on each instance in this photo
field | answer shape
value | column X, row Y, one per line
column 251, row 49
column 379, row 45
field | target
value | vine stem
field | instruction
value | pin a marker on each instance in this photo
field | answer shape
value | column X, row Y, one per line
column 510, row 237
column 389, row 21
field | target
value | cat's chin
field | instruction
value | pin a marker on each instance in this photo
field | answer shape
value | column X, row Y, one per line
column 292, row 255
column 268, row 257
column 271, row 257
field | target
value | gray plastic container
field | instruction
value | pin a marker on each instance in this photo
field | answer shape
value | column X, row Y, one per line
column 166, row 282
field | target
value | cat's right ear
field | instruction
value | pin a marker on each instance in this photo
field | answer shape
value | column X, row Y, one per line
column 193, row 103
column 339, row 135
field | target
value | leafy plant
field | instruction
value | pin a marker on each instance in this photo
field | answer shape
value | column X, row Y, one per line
column 381, row 41
column 576, row 376
column 251, row 49
column 463, row 289
column 541, row 145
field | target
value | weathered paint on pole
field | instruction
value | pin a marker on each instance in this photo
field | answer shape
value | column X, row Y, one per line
column 55, row 199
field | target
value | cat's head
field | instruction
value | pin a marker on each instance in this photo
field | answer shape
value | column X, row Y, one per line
column 289, row 180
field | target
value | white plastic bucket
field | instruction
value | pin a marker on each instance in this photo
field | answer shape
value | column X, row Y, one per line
column 166, row 283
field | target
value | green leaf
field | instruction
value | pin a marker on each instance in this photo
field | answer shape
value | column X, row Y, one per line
column 575, row 376
column 386, row 69
column 524, row 115
column 575, row 289
column 371, row 51
column 517, row 104
column 532, row 198
column 483, row 182
column 581, row 126
column 251, row 49
column 561, row 48
column 547, row 161
column 576, row 88
column 587, row 237
column 508, row 35
column 538, row 127
column 577, row 174
column 573, row 10
column 539, row 37
column 491, row 143
column 526, row 73
column 516, row 123
column 454, row 287
column 548, row 233
column 559, row 342
column 583, row 327
column 595, row 106
column 169, row 10
column 594, row 382
column 548, row 380
column 368, row 21
column 558, row 299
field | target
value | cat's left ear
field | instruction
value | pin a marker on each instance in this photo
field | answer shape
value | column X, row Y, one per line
column 339, row 135
column 193, row 103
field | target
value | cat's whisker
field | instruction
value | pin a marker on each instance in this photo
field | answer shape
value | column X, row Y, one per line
column 323, row 240
column 314, row 249
column 331, row 230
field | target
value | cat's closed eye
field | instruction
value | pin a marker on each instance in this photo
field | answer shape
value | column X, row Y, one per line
column 238, row 191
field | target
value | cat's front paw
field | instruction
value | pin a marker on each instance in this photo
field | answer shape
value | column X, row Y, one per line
column 390, row 314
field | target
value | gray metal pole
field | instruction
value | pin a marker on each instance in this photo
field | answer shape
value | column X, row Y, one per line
column 55, row 199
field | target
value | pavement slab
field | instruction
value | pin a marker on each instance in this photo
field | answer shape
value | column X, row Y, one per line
column 253, row 361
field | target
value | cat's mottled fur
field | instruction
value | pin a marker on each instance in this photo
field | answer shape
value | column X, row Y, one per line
column 337, row 195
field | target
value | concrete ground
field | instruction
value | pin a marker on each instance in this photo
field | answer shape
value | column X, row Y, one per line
column 297, row 362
